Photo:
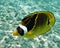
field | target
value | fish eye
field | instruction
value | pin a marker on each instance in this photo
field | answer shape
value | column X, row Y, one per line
column 20, row 31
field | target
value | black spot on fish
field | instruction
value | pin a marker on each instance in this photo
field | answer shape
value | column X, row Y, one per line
column 48, row 22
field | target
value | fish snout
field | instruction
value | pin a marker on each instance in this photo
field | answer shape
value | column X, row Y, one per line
column 15, row 33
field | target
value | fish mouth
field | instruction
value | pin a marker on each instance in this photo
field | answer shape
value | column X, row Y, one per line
column 15, row 33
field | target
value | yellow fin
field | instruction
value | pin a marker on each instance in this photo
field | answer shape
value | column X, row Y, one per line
column 29, row 36
column 30, row 33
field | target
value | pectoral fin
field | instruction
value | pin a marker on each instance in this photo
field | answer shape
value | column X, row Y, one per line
column 29, row 35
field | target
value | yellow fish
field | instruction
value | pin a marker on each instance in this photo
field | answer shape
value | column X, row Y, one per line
column 34, row 24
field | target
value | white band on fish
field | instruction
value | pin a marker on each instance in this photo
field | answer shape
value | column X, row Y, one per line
column 24, row 28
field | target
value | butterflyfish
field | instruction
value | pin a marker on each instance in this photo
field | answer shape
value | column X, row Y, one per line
column 35, row 23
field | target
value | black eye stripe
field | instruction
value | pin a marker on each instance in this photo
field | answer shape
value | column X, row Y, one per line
column 20, row 31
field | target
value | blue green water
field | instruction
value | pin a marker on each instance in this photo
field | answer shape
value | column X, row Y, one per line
column 13, row 11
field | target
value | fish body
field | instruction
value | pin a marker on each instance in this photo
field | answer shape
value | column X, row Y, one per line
column 36, row 23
